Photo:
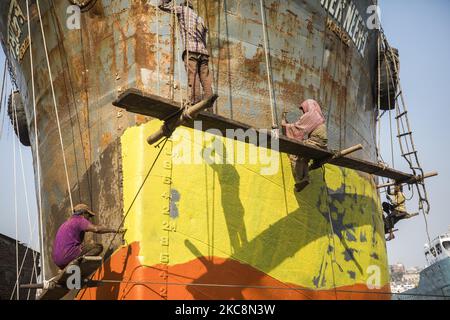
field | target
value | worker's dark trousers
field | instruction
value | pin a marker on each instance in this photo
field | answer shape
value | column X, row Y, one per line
column 91, row 250
column 197, row 68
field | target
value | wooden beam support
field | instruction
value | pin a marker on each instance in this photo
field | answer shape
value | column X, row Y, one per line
column 136, row 101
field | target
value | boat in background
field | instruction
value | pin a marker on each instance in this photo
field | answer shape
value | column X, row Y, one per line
column 434, row 281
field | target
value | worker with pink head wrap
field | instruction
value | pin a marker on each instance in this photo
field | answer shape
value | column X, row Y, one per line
column 309, row 129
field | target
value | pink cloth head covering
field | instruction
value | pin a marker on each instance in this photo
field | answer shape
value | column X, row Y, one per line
column 312, row 118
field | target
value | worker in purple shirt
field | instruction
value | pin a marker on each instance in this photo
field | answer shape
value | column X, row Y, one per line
column 69, row 246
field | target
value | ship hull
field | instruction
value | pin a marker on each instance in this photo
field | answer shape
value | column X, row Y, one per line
column 198, row 230
column 434, row 283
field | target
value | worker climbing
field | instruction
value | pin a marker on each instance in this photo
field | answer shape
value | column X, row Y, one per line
column 311, row 130
column 395, row 210
column 195, row 55
column 68, row 245
column 196, row 59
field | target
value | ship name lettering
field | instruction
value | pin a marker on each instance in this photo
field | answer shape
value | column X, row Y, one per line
column 349, row 25
column 16, row 21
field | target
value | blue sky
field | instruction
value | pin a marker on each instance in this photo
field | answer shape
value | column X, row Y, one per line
column 421, row 31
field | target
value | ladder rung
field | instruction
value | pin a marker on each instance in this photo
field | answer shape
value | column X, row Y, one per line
column 401, row 115
column 409, row 153
column 404, row 134
column 398, row 95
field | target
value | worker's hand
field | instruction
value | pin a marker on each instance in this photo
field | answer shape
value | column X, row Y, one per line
column 284, row 123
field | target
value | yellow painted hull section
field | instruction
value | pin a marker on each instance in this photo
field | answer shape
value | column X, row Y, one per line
column 188, row 211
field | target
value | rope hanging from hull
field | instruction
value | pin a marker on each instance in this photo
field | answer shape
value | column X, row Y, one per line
column 2, row 91
column 31, row 229
column 275, row 125
column 69, row 189
column 36, row 145
column 16, row 217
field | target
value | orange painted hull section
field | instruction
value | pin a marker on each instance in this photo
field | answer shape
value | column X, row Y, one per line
column 125, row 278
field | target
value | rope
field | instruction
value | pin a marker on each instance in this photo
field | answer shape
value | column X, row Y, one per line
column 96, row 97
column 36, row 142
column 390, row 111
column 177, row 40
column 186, row 47
column 172, row 52
column 105, row 282
column 208, row 25
column 133, row 202
column 70, row 94
column 275, row 125
column 379, row 97
column 422, row 198
column 332, row 231
column 31, row 229
column 158, row 54
column 19, row 270
column 215, row 75
column 1, row 99
column 33, row 272
column 4, row 107
column 138, row 192
column 322, row 98
column 69, row 190
column 16, row 214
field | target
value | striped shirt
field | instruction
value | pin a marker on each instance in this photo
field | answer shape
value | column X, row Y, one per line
column 192, row 27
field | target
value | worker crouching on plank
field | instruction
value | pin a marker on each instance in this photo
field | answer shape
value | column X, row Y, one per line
column 309, row 129
column 195, row 55
column 395, row 210
column 68, row 245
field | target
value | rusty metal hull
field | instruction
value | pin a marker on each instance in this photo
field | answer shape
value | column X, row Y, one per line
column 129, row 44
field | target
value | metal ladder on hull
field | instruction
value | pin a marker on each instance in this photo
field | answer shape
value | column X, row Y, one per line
column 405, row 136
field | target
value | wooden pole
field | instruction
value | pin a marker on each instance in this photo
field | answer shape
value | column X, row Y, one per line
column 191, row 113
column 411, row 181
column 340, row 154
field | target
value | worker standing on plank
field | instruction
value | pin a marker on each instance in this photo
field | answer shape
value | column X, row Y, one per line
column 68, row 245
column 309, row 129
column 195, row 55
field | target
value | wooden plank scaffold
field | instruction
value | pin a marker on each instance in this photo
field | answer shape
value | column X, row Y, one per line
column 136, row 101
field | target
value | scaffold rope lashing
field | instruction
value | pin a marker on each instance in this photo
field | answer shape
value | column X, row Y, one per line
column 36, row 146
column 69, row 189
